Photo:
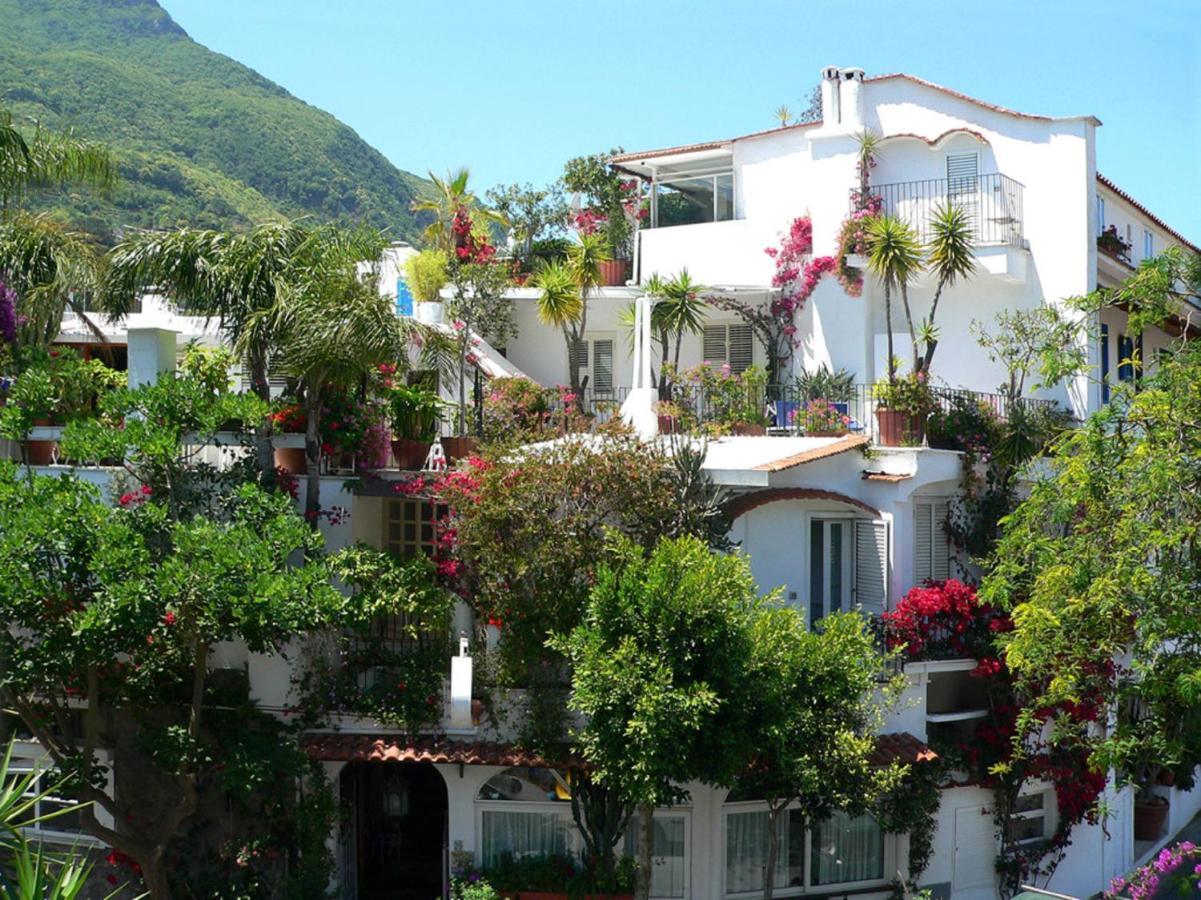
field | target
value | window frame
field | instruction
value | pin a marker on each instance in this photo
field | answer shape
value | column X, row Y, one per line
column 746, row 806
column 1148, row 244
column 678, row 812
column 1048, row 812
column 847, row 600
column 712, row 173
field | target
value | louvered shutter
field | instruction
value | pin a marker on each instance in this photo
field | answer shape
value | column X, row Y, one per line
column 580, row 352
column 715, row 344
column 276, row 383
column 741, row 348
column 931, row 544
column 871, row 565
column 963, row 184
column 602, row 366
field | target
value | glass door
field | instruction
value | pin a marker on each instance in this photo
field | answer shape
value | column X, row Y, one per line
column 829, row 567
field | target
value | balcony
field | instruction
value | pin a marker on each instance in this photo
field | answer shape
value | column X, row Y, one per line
column 719, row 254
column 992, row 202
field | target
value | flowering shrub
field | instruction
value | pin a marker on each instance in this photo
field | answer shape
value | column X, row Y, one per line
column 821, row 416
column 944, row 620
column 289, row 419
column 910, row 394
column 8, row 314
column 1177, row 868
column 717, row 397
column 470, row 247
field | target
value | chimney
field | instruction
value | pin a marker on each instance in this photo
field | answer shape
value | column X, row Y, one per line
column 852, row 99
column 831, row 115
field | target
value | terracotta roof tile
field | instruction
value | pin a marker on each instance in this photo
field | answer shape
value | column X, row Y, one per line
column 885, row 476
column 946, row 90
column 850, row 442
column 1146, row 212
column 900, row 747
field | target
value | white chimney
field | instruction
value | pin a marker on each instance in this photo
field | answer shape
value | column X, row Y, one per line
column 831, row 115
column 852, row 99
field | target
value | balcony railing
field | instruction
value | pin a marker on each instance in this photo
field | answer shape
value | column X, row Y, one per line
column 783, row 408
column 993, row 204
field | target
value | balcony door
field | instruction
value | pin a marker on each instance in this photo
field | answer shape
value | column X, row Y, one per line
column 829, row 566
column 963, row 184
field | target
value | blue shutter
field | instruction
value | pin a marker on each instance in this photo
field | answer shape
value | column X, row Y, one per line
column 1104, row 363
column 404, row 300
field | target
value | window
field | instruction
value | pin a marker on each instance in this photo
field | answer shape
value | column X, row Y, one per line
column 595, row 360
column 963, row 183
column 66, row 819
column 1104, row 363
column 410, row 526
column 693, row 199
column 733, row 344
column 669, row 856
column 1130, row 357
column 1030, row 820
column 1100, row 215
column 840, row 850
column 829, row 567
column 931, row 544
column 544, row 826
column 1148, row 244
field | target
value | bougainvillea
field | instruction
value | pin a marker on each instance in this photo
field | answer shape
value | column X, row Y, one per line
column 1176, row 871
column 8, row 314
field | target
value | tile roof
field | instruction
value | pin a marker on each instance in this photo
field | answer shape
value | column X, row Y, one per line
column 885, row 476
column 707, row 145
column 1146, row 212
column 849, row 442
column 900, row 747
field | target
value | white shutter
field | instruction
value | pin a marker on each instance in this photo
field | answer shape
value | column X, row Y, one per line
column 931, row 544
column 963, row 184
column 741, row 348
column 581, row 354
column 871, row 565
column 602, row 366
column 715, row 344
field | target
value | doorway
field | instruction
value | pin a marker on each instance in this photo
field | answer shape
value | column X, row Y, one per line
column 399, row 811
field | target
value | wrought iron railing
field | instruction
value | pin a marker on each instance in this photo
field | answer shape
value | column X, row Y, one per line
column 992, row 202
column 785, row 409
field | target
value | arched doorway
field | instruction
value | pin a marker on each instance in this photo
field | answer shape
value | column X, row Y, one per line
column 399, row 814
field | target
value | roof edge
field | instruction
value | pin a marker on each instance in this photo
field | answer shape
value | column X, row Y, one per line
column 1146, row 212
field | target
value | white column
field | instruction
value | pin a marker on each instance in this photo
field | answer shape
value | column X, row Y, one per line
column 638, row 410
column 151, row 353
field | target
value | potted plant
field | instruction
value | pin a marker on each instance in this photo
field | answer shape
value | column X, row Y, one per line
column 290, row 419
column 1150, row 814
column 1111, row 243
column 902, row 406
column 414, row 413
column 31, row 404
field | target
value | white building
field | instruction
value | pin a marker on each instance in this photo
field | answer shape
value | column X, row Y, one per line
column 830, row 527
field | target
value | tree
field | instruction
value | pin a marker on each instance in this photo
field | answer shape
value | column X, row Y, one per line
column 119, row 608
column 532, row 213
column 783, row 114
column 607, row 196
column 478, row 308
column 948, row 258
column 659, row 674
column 1093, row 565
column 46, row 159
column 426, row 275
column 332, row 330
column 680, row 308
column 238, row 279
column 563, row 300
column 1039, row 340
column 894, row 256
column 452, row 194
column 51, row 268
column 813, row 720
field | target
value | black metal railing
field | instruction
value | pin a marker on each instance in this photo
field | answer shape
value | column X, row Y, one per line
column 787, row 409
column 992, row 202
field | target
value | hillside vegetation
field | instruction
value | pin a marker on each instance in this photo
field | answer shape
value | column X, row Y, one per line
column 201, row 139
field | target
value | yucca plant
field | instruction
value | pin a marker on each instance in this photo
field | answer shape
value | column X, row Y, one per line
column 895, row 257
column 949, row 258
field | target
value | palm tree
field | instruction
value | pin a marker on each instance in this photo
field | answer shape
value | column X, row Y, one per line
column 52, row 269
column 332, row 329
column 949, row 258
column 47, row 158
column 783, row 114
column 563, row 298
column 681, row 310
column 450, row 195
column 894, row 256
column 234, row 278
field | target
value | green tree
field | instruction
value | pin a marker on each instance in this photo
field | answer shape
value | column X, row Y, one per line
column 119, row 608
column 894, row 256
column 659, row 674
column 813, row 720
column 533, row 214
column 949, row 258
column 1093, row 566
column 241, row 280
column 564, row 289
column 603, row 191
column 426, row 274
column 478, row 308
column 48, row 159
column 451, row 194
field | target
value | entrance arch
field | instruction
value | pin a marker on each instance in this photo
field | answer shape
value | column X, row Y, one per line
column 399, row 813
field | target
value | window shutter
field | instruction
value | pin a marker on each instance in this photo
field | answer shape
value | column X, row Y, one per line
column 963, row 183
column 741, row 348
column 581, row 354
column 931, row 544
column 602, row 366
column 715, row 343
column 871, row 565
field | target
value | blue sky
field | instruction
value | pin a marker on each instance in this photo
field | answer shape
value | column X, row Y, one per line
column 514, row 89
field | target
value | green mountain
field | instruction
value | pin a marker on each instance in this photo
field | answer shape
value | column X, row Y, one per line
column 201, row 139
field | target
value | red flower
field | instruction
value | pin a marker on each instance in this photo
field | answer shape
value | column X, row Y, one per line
column 169, row 618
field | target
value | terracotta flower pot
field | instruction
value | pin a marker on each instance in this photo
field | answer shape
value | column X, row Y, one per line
column 1166, row 777
column 746, row 429
column 39, row 453
column 825, row 433
column 291, row 459
column 409, row 454
column 897, row 428
column 667, row 424
column 615, row 272
column 457, row 448
column 1149, row 820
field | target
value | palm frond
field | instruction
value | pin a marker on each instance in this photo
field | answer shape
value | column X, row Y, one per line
column 894, row 251
column 559, row 302
column 949, row 252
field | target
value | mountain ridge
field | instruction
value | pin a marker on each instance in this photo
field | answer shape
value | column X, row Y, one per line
column 201, row 139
